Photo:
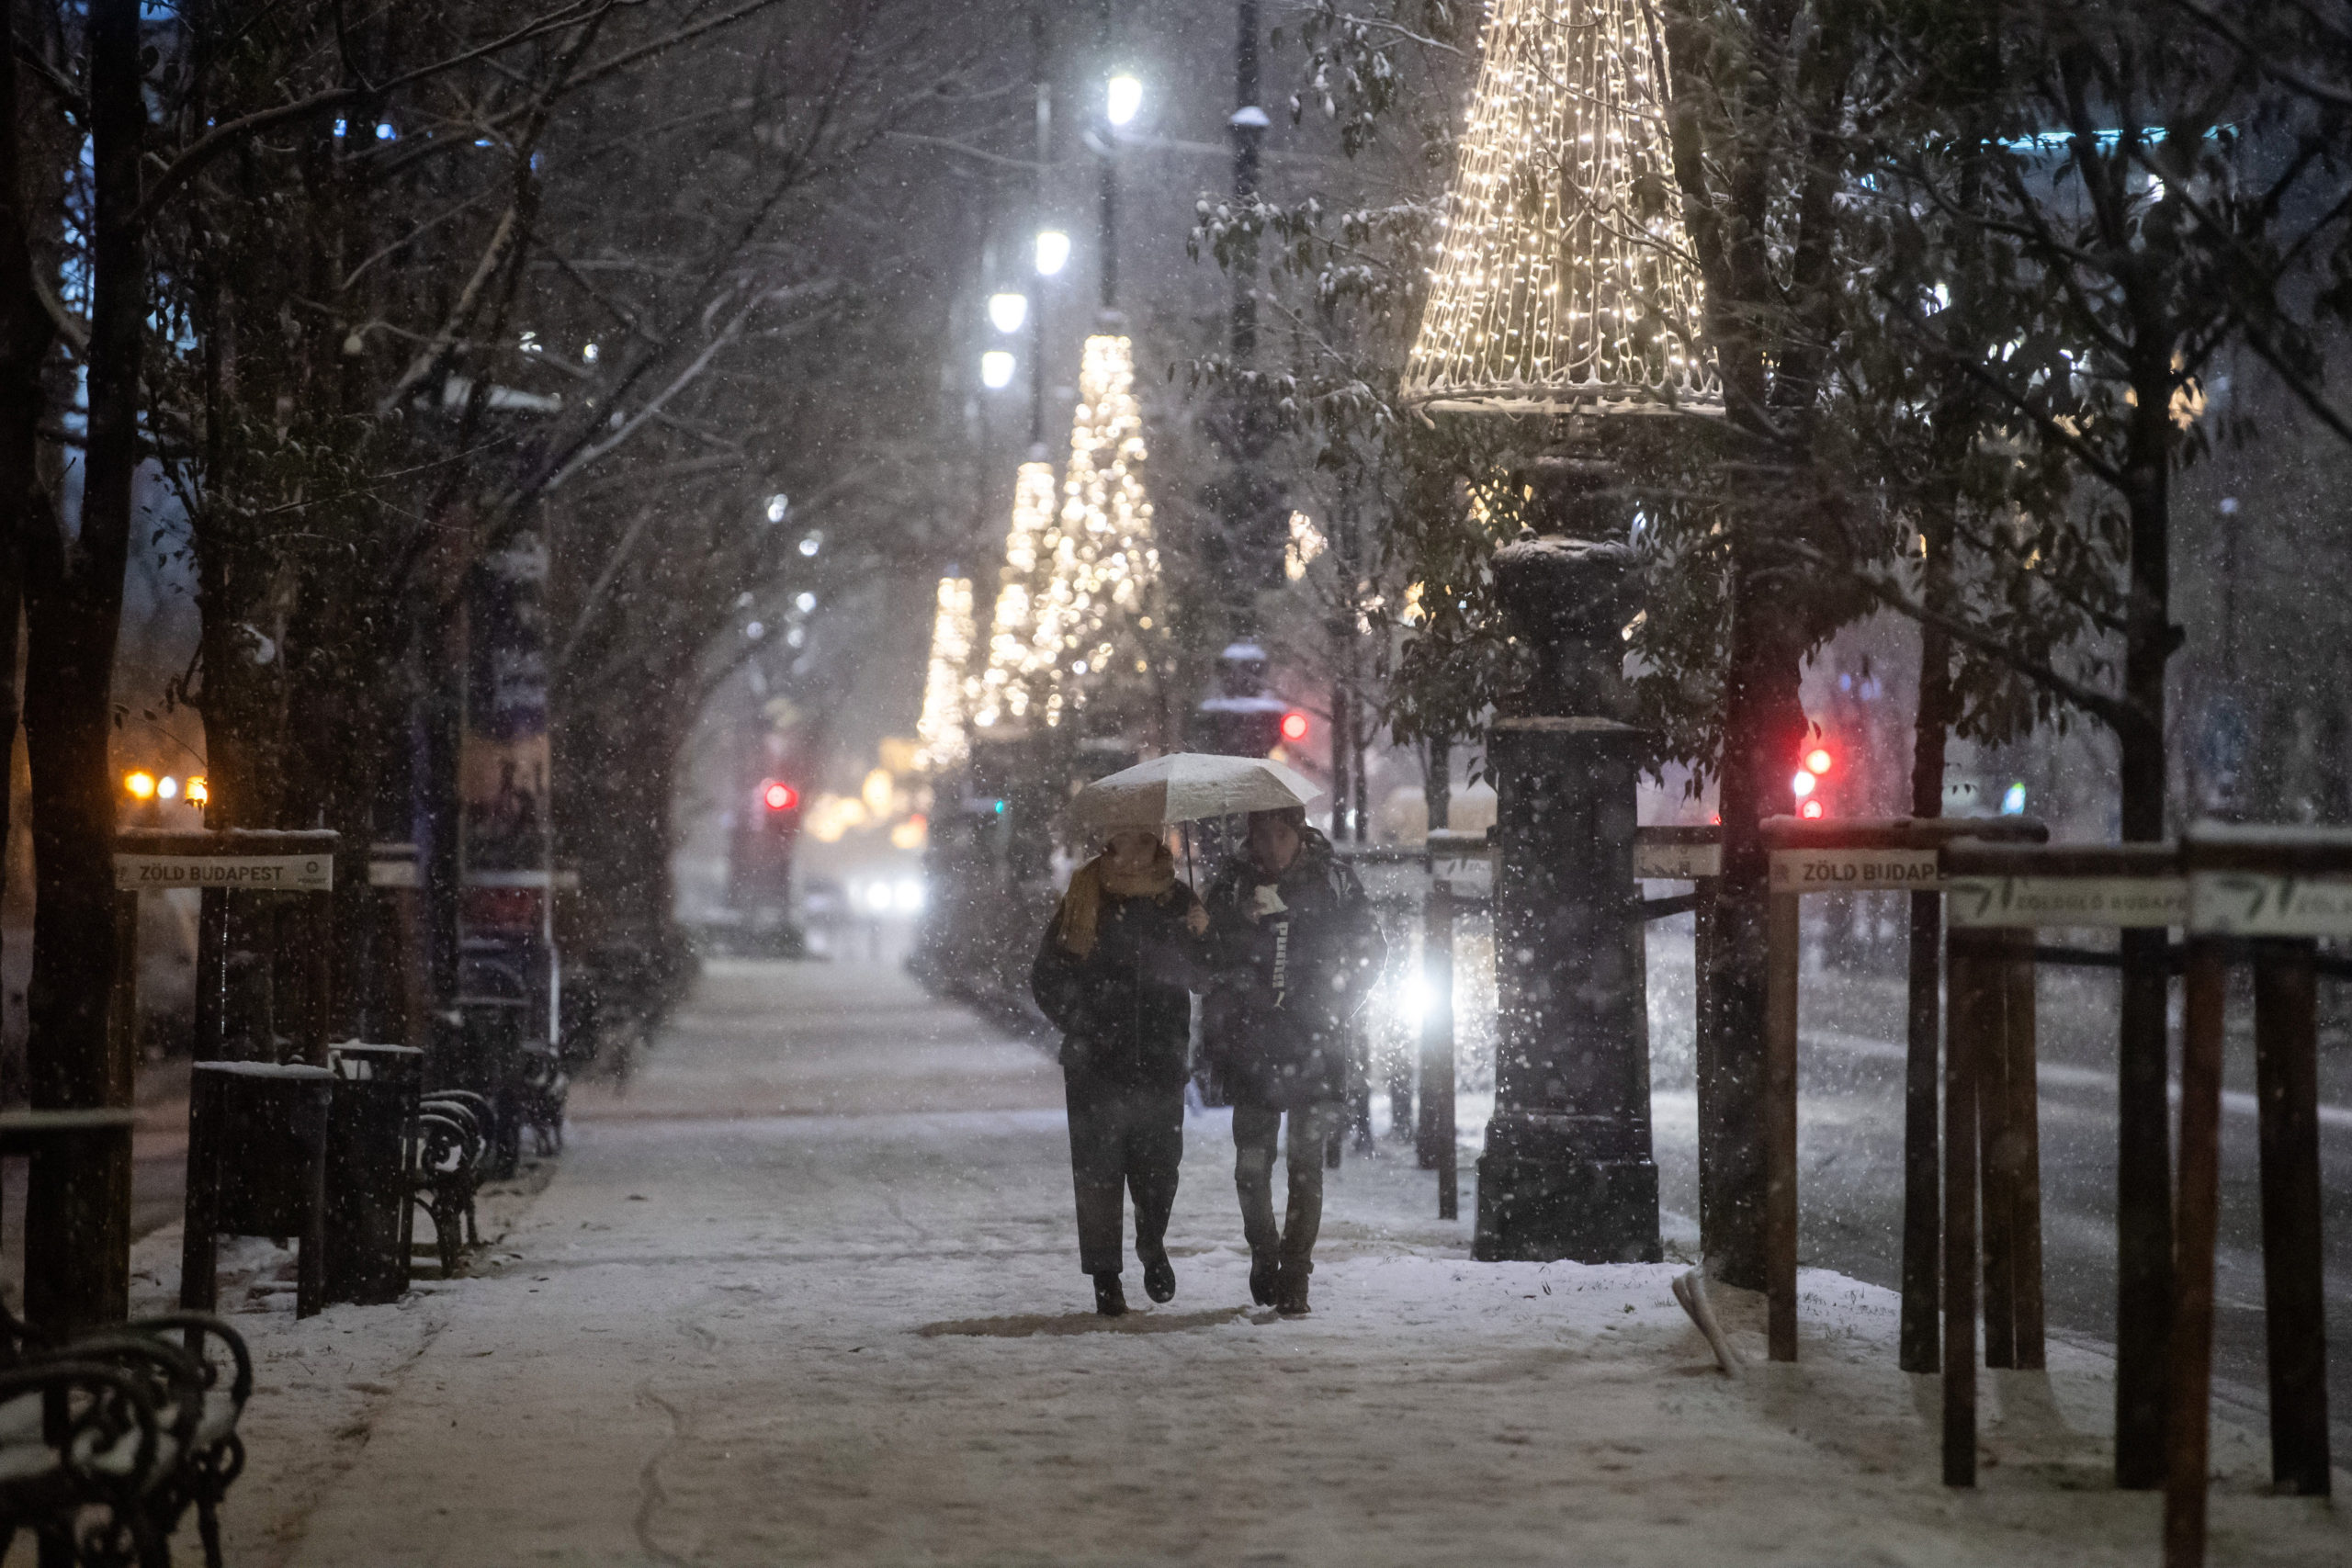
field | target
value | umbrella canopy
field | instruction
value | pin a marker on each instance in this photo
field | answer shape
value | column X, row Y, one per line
column 1185, row 786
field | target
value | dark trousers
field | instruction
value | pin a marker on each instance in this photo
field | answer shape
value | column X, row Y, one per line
column 1122, row 1140
column 1254, row 1130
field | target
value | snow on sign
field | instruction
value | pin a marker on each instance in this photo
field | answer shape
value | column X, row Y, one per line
column 260, row 873
column 2094, row 901
column 1677, row 863
column 1854, row 871
column 2248, row 903
column 1464, row 863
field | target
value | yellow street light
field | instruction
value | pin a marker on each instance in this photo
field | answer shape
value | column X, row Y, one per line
column 198, row 793
column 140, row 783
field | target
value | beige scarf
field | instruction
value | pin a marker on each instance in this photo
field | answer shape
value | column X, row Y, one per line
column 1083, row 906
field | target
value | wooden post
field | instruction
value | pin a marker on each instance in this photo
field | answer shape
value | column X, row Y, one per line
column 2286, row 1056
column 1705, row 1069
column 1782, row 933
column 211, row 972
column 2024, row 1132
column 310, row 1262
column 1441, row 1149
column 1963, row 970
column 2144, row 1219
column 1997, row 1150
column 318, row 923
column 1437, row 1011
column 200, row 1234
column 1920, row 1156
column 2187, row 1434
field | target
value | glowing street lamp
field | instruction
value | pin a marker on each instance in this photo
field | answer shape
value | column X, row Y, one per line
column 1052, row 252
column 996, row 369
column 1007, row 311
column 140, row 785
column 198, row 791
column 1122, row 99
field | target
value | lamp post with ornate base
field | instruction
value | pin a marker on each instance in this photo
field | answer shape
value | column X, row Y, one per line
column 1563, row 291
column 1568, row 1170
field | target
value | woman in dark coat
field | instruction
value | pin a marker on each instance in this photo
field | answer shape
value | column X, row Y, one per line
column 1114, row 974
column 1295, row 952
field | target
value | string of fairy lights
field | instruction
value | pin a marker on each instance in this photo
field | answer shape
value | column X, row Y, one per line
column 999, row 694
column 1106, row 562
column 1075, row 594
column 941, row 740
column 1563, row 279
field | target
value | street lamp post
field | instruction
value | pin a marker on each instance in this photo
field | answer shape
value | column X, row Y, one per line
column 1039, row 55
column 1253, row 511
column 1107, row 215
column 1249, row 127
column 1576, row 306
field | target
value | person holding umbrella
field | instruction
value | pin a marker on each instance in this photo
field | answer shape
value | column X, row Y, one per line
column 1295, row 952
column 1114, row 974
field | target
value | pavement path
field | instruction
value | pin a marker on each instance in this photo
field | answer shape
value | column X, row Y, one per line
column 806, row 1292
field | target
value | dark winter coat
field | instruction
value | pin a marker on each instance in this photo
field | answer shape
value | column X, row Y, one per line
column 1278, row 1025
column 1125, row 1009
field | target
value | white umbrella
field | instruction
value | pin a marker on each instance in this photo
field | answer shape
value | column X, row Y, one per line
column 1185, row 786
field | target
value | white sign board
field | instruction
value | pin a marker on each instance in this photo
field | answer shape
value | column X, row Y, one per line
column 259, row 873
column 2097, row 901
column 2248, row 903
column 1468, row 876
column 392, row 874
column 1855, row 871
column 1677, row 863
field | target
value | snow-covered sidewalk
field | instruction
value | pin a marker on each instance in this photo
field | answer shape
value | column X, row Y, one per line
column 808, row 1293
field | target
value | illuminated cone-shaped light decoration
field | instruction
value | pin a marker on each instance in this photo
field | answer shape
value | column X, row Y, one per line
column 941, row 742
column 1004, row 692
column 1563, row 282
column 1104, row 563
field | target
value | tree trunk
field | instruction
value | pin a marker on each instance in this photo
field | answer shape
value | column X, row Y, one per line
column 26, row 334
column 78, row 1207
column 1437, row 782
column 1763, row 734
column 1922, row 1174
column 2143, row 1147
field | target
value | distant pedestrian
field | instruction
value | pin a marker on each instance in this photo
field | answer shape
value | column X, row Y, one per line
column 1295, row 951
column 1114, row 974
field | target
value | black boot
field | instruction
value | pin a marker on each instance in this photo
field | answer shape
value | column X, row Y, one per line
column 1265, row 1273
column 1158, row 1274
column 1108, row 1299
column 1290, row 1291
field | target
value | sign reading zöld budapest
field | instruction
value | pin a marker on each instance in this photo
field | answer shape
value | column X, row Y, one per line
column 1677, row 863
column 1467, row 874
column 259, row 873
column 1855, row 871
column 2247, row 903
column 2095, row 901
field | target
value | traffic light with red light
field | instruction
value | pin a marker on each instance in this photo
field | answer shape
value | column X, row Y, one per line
column 778, row 796
column 1293, row 727
column 1805, row 787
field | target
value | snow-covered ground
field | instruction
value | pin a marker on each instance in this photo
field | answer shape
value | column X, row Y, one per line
column 809, row 1293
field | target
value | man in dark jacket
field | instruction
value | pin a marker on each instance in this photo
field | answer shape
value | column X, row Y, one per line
column 1114, row 974
column 1296, row 952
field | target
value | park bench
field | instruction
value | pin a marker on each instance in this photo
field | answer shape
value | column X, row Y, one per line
column 542, row 1088
column 108, row 1439
column 454, row 1150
